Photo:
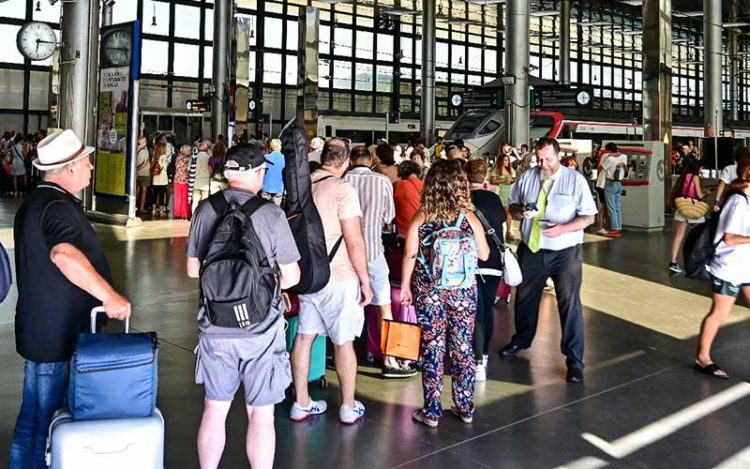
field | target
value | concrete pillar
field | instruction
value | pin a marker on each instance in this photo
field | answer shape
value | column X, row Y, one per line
column 657, row 78
column 220, row 101
column 260, row 35
column 107, row 6
column 712, row 111
column 79, row 62
column 565, row 42
column 517, row 94
column 734, row 62
column 307, row 80
column 427, row 107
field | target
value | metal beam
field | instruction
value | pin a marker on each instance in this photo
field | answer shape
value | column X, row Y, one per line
column 713, row 117
column 565, row 42
column 517, row 104
column 220, row 78
column 734, row 50
column 427, row 105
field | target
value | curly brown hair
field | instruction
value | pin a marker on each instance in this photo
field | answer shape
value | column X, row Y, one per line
column 446, row 192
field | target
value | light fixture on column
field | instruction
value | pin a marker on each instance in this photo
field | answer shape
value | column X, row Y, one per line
column 38, row 6
column 153, row 18
column 252, row 28
column 460, row 62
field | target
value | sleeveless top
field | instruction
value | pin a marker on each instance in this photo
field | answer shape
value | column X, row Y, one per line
column 688, row 189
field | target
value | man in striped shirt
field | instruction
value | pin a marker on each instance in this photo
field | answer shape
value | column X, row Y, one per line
column 375, row 193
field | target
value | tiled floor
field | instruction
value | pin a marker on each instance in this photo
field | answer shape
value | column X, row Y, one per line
column 640, row 331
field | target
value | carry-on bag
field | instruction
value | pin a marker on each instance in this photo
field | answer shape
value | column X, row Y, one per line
column 317, row 353
column 400, row 313
column 113, row 375
column 106, row 443
column 400, row 339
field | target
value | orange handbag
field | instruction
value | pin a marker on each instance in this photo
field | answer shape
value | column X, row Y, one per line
column 400, row 339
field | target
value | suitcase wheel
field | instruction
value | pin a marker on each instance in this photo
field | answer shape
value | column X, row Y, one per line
column 323, row 383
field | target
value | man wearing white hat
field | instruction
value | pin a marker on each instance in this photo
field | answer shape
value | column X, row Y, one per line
column 61, row 274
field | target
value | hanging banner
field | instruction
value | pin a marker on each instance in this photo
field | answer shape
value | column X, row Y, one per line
column 120, row 45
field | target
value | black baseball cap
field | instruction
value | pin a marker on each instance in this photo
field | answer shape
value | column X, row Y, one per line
column 243, row 157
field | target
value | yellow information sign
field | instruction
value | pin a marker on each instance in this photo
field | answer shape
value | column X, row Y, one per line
column 111, row 175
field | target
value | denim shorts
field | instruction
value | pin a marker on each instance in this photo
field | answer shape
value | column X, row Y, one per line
column 722, row 287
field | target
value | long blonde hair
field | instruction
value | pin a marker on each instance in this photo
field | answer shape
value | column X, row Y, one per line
column 446, row 192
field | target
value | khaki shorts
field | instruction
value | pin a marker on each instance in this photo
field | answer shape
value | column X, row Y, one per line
column 144, row 181
column 223, row 363
column 334, row 311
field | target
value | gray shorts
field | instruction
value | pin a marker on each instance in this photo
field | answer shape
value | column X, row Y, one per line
column 222, row 363
column 334, row 311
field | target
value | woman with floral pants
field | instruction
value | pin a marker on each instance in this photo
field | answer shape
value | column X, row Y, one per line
column 445, row 315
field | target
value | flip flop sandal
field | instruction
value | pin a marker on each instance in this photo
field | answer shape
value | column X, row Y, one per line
column 420, row 417
column 457, row 413
column 711, row 370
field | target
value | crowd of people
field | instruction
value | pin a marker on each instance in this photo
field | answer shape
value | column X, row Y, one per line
column 448, row 210
column 17, row 151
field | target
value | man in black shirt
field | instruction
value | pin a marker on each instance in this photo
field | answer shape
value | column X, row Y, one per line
column 62, row 274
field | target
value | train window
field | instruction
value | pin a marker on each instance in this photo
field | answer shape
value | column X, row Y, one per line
column 467, row 124
column 541, row 126
column 490, row 127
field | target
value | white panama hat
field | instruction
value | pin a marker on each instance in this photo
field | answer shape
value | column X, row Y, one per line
column 59, row 149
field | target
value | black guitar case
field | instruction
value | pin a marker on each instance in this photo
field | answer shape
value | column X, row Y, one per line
column 303, row 216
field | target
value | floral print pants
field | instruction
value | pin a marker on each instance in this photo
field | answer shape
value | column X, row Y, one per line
column 447, row 320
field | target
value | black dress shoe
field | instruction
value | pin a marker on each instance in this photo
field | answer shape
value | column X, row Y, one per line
column 575, row 375
column 510, row 350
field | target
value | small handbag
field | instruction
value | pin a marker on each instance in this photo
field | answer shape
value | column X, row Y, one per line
column 512, row 274
column 400, row 339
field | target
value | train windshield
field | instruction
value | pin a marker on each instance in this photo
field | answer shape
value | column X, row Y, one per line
column 541, row 126
column 467, row 125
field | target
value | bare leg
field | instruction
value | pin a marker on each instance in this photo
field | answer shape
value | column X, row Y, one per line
column 720, row 309
column 508, row 223
column 346, row 369
column 301, row 367
column 212, row 433
column 384, row 312
column 680, row 229
column 260, row 443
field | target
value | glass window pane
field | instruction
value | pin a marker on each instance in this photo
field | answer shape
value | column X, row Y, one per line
column 272, row 33
column 158, row 10
column 8, row 35
column 49, row 13
column 154, row 57
column 185, row 64
column 364, row 45
column 124, row 12
column 14, row 9
column 363, row 78
column 208, row 70
column 208, row 33
column 385, row 47
column 385, row 79
column 11, row 89
column 272, row 68
column 324, row 81
column 342, row 75
column 187, row 22
column 291, row 70
column 458, row 57
column 292, row 35
column 342, row 42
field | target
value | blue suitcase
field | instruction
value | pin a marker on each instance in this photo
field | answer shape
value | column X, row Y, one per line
column 317, row 353
column 113, row 376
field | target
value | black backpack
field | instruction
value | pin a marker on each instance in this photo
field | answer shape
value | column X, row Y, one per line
column 6, row 277
column 699, row 248
column 239, row 287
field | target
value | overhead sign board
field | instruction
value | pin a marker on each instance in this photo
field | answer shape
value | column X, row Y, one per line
column 198, row 105
column 557, row 97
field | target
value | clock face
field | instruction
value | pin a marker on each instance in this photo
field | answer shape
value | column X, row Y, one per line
column 36, row 41
column 456, row 100
column 116, row 48
column 583, row 98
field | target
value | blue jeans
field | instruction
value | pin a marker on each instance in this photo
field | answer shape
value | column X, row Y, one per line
column 44, row 386
column 613, row 194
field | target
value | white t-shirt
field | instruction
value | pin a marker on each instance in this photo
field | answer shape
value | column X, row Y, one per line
column 728, row 174
column 730, row 262
column 161, row 179
column 611, row 163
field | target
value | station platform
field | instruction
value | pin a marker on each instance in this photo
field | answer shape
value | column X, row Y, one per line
column 641, row 405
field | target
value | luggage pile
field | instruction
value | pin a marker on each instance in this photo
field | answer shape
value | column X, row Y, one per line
column 112, row 421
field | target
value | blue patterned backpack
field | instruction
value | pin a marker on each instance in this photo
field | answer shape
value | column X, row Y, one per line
column 452, row 256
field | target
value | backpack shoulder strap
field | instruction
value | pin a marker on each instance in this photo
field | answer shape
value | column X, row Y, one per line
column 252, row 205
column 459, row 220
column 323, row 178
column 219, row 204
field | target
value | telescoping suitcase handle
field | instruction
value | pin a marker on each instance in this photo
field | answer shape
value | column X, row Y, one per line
column 100, row 309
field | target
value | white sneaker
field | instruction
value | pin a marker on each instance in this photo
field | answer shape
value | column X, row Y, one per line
column 485, row 359
column 300, row 413
column 602, row 231
column 349, row 415
column 481, row 373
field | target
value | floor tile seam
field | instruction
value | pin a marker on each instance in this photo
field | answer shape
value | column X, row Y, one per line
column 478, row 463
column 537, row 415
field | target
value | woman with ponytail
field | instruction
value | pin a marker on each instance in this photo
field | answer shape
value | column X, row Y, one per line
column 729, row 272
